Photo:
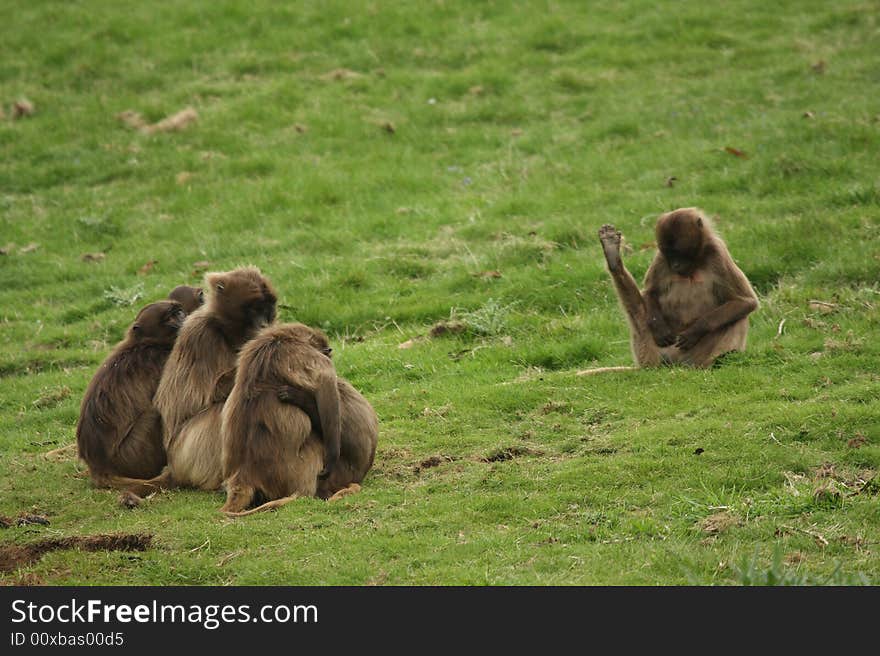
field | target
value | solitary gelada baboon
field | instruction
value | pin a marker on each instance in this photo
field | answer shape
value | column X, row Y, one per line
column 696, row 301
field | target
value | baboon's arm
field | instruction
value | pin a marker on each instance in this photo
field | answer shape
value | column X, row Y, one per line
column 223, row 386
column 322, row 407
column 327, row 398
column 304, row 400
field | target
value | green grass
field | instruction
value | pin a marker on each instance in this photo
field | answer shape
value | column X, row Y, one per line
column 519, row 128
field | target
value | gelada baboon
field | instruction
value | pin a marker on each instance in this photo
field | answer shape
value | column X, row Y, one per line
column 119, row 432
column 191, row 298
column 695, row 303
column 288, row 413
column 199, row 373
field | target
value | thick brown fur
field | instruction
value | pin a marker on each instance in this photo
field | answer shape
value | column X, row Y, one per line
column 197, row 376
column 358, row 436
column 695, row 300
column 119, row 432
column 269, row 448
column 191, row 298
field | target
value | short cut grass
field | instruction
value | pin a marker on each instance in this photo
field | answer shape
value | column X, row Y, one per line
column 391, row 165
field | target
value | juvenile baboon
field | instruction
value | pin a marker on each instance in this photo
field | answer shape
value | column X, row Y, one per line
column 198, row 375
column 119, row 432
column 695, row 303
column 191, row 298
column 269, row 448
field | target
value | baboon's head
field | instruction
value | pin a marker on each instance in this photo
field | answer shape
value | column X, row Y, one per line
column 243, row 298
column 158, row 323
column 302, row 333
column 319, row 341
column 191, row 298
column 682, row 237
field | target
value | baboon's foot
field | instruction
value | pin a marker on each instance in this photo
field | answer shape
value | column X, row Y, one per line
column 238, row 498
column 354, row 488
column 610, row 238
column 129, row 500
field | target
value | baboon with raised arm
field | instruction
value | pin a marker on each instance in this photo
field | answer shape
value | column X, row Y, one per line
column 119, row 432
column 695, row 302
column 198, row 375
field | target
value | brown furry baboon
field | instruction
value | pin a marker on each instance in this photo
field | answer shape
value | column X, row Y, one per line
column 270, row 451
column 191, row 298
column 119, row 432
column 696, row 301
column 358, row 435
column 198, row 375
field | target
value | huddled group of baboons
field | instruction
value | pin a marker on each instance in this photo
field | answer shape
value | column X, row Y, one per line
column 212, row 393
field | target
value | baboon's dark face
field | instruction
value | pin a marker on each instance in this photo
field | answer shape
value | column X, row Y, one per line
column 158, row 323
column 304, row 334
column 191, row 298
column 245, row 298
column 681, row 238
column 319, row 341
column 258, row 309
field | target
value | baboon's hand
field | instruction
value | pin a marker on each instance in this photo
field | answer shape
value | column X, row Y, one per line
column 661, row 332
column 610, row 237
column 223, row 386
column 609, row 233
column 691, row 335
column 304, row 400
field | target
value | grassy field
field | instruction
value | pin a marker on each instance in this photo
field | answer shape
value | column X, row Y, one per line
column 390, row 165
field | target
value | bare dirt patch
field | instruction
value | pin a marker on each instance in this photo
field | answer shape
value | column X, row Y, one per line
column 857, row 442
column 718, row 523
column 174, row 123
column 51, row 398
column 555, row 406
column 601, row 450
column 14, row 556
column 341, row 74
column 24, row 519
column 795, row 558
column 827, row 493
column 447, row 328
column 509, row 453
column 440, row 329
column 826, row 470
column 433, row 461
column 22, row 108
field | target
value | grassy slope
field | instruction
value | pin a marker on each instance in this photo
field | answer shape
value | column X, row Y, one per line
column 518, row 131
